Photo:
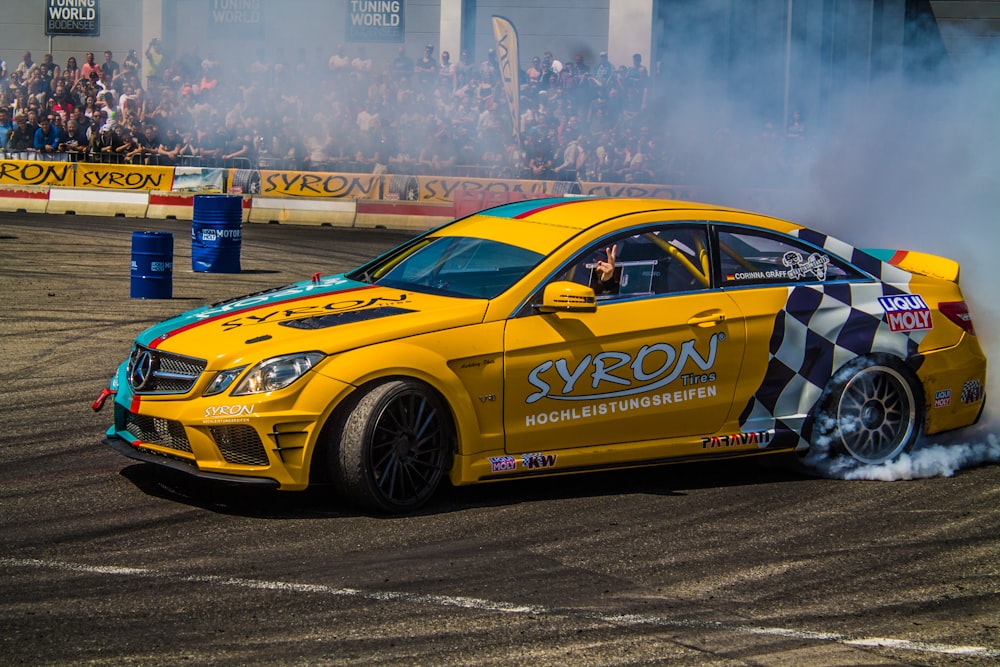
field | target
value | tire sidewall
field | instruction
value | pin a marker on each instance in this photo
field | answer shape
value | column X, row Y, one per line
column 826, row 437
column 352, row 468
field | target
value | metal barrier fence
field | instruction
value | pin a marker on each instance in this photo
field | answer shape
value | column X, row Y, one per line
column 331, row 166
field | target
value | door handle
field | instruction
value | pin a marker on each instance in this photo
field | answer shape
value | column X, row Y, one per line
column 707, row 319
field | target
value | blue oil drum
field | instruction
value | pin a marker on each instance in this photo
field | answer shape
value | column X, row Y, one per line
column 217, row 233
column 152, row 274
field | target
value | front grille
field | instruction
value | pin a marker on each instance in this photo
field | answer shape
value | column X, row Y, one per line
column 156, row 372
column 158, row 431
column 240, row 444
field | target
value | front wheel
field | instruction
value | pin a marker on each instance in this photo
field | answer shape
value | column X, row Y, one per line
column 872, row 413
column 393, row 447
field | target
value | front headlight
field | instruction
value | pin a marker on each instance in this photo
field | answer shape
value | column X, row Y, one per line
column 276, row 373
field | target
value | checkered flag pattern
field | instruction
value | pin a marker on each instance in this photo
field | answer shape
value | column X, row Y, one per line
column 821, row 328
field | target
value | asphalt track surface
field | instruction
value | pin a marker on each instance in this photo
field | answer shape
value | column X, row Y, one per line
column 105, row 561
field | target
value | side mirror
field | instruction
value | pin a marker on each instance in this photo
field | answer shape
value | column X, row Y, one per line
column 567, row 296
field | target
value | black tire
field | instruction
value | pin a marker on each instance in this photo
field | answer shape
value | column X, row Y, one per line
column 872, row 412
column 394, row 447
column 406, row 188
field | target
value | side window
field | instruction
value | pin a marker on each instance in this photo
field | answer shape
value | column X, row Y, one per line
column 752, row 258
column 661, row 259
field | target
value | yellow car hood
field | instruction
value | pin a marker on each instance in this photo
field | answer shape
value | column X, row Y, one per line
column 331, row 315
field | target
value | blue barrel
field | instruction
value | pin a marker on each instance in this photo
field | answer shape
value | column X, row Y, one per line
column 217, row 233
column 152, row 275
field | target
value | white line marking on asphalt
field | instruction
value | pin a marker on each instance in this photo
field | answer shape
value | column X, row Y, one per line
column 480, row 604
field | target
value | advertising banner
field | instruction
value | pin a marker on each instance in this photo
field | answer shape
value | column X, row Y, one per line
column 73, row 17
column 199, row 179
column 641, row 190
column 442, row 189
column 123, row 176
column 319, row 184
column 376, row 21
column 237, row 19
column 506, row 37
column 30, row 172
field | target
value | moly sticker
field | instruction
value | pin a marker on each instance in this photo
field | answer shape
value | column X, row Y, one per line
column 906, row 312
column 942, row 398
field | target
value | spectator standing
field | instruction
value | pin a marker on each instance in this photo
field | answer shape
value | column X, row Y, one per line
column 402, row 65
column 128, row 143
column 572, row 159
column 72, row 139
column 109, row 67
column 82, row 120
column 361, row 65
column 94, row 130
column 63, row 98
column 6, row 127
column 146, row 144
column 604, row 70
column 340, row 64
column 53, row 69
column 26, row 66
column 71, row 72
column 447, row 74
column 131, row 62
column 238, row 146
column 23, row 136
column 170, row 146
column 90, row 70
column 46, row 136
column 550, row 64
column 637, row 81
column 464, row 68
column 154, row 61
column 534, row 73
column 426, row 69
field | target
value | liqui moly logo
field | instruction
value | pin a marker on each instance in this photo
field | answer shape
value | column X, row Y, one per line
column 906, row 312
column 503, row 464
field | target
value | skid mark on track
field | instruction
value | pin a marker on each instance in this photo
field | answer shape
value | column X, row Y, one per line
column 480, row 604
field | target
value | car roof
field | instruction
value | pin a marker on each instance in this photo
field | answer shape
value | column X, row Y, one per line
column 544, row 224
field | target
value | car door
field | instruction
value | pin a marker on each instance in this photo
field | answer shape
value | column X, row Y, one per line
column 652, row 362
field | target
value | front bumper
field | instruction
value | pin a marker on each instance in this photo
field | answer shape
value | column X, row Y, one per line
column 265, row 439
column 188, row 467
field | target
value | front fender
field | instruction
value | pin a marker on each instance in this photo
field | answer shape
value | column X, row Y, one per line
column 464, row 365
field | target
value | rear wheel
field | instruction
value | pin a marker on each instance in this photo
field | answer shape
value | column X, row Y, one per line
column 872, row 413
column 393, row 447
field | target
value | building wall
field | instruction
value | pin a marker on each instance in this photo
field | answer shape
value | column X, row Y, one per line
column 795, row 61
column 22, row 28
column 565, row 27
column 968, row 28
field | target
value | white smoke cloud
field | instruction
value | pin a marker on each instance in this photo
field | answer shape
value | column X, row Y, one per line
column 927, row 459
column 903, row 162
column 918, row 168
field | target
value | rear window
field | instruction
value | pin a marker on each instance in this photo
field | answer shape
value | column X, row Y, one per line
column 757, row 257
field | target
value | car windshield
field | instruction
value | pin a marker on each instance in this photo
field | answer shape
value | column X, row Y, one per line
column 453, row 265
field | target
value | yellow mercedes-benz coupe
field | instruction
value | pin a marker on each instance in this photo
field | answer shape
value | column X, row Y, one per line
column 553, row 336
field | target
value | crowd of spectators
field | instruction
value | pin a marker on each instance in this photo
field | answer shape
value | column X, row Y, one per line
column 427, row 115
